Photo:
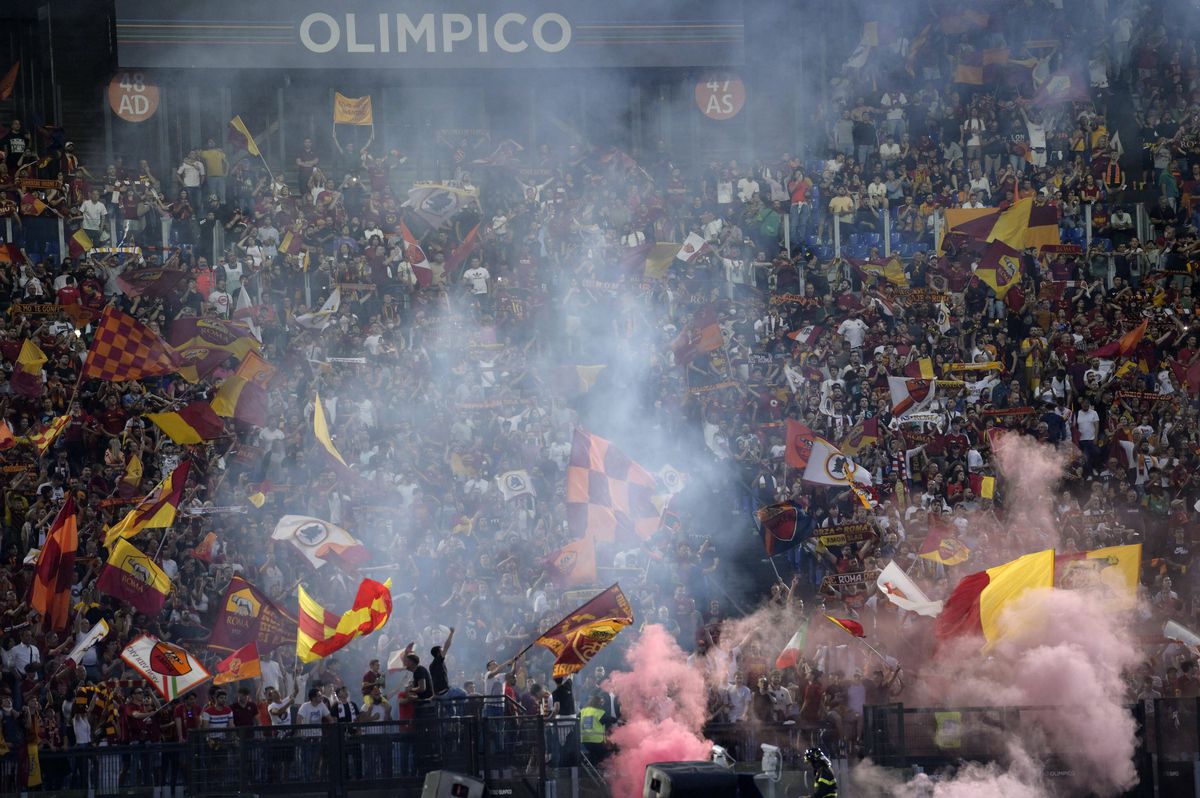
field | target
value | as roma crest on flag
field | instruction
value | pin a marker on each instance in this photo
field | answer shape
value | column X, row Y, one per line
column 169, row 659
column 799, row 444
column 1007, row 267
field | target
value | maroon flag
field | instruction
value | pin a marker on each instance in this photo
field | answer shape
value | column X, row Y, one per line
column 245, row 616
column 459, row 255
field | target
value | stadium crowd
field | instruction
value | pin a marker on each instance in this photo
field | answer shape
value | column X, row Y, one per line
column 448, row 365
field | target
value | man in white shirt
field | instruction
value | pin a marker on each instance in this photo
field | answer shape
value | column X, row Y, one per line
column 21, row 655
column 220, row 300
column 854, row 330
column 312, row 712
column 1087, row 421
column 191, row 176
column 279, row 708
column 94, row 212
column 739, row 698
column 478, row 279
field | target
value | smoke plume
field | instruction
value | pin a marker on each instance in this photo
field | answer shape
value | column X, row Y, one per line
column 662, row 703
column 1065, row 650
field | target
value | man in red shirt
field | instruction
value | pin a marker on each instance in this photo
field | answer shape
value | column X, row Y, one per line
column 187, row 717
column 245, row 711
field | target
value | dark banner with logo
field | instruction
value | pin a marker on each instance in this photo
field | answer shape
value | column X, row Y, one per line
column 382, row 34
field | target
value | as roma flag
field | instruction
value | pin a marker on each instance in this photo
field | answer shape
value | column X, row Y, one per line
column 51, row 589
column 574, row 564
column 800, row 439
column 241, row 664
column 978, row 601
column 125, row 349
column 848, row 626
column 941, row 546
column 701, row 335
column 861, row 435
column 784, row 527
column 245, row 616
column 580, row 636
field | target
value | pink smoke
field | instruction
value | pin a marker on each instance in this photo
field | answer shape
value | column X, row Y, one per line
column 1065, row 649
column 662, row 705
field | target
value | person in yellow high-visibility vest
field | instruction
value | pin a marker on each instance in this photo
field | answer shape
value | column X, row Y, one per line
column 594, row 723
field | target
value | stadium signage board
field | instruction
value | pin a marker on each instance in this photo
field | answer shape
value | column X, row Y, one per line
column 400, row 34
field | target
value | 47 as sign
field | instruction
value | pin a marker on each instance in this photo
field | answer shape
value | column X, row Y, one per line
column 720, row 99
column 132, row 97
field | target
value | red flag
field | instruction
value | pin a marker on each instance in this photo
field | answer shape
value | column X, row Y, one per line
column 799, row 443
column 1123, row 347
column 852, row 627
column 246, row 615
column 51, row 591
column 701, row 334
column 206, row 548
column 460, row 254
column 9, row 81
column 416, row 257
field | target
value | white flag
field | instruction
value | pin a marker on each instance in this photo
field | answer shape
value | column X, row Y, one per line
column 515, row 483
column 828, row 466
column 671, row 479
column 318, row 540
column 322, row 318
column 795, row 379
column 910, row 395
column 171, row 670
column 97, row 633
column 692, row 246
column 1177, row 631
column 904, row 593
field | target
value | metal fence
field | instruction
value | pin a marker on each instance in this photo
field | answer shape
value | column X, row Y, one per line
column 514, row 754
column 933, row 738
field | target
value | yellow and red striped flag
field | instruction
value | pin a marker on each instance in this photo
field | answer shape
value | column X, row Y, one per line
column 314, row 624
column 978, row 601
column 42, row 440
column 371, row 609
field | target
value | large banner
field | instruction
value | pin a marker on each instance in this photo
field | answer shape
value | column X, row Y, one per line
column 381, row 34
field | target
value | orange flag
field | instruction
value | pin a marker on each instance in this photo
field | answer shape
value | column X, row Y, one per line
column 55, row 572
column 241, row 664
column 9, row 81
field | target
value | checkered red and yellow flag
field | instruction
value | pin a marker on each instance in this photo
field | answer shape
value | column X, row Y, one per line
column 125, row 349
column 609, row 496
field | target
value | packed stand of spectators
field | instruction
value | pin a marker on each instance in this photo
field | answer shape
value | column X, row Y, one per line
column 461, row 381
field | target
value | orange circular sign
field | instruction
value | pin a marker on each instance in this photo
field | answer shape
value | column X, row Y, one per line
column 720, row 99
column 131, row 97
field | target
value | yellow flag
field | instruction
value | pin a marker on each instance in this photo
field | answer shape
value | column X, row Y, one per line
column 352, row 110
column 321, row 431
column 239, row 127
column 32, row 358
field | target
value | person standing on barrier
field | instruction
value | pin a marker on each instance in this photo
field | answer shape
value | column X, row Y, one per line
column 279, row 710
column 346, row 712
column 439, row 676
column 375, row 710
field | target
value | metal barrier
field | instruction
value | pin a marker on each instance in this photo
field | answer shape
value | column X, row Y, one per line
column 513, row 754
column 931, row 738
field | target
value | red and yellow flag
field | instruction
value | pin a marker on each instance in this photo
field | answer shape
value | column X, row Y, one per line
column 125, row 349
column 55, row 572
column 800, row 439
column 9, row 81
column 371, row 609
column 193, row 424
column 131, row 576
column 242, row 399
column 975, row 606
column 314, row 624
column 580, row 636
column 940, row 545
column 241, row 664
column 155, row 511
column 850, row 627
column 1124, row 346
column 42, row 440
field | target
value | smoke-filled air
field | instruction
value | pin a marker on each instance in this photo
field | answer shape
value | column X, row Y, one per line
column 524, row 398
